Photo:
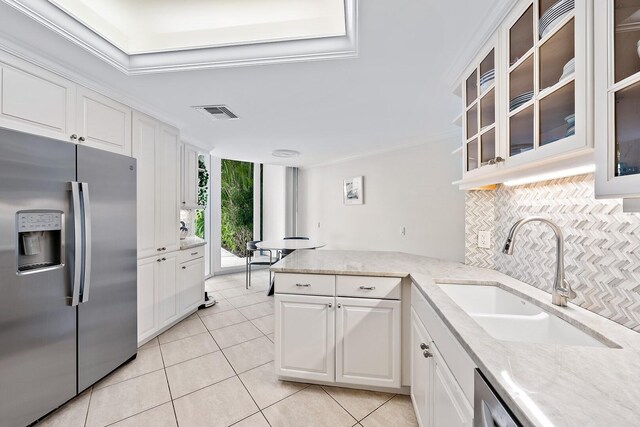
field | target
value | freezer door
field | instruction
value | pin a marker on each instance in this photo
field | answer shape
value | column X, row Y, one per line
column 107, row 310
column 37, row 322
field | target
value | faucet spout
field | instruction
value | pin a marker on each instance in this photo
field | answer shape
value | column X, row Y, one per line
column 561, row 288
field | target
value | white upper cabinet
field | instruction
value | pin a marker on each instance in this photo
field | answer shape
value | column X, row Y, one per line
column 189, row 199
column 157, row 150
column 168, row 189
column 617, row 98
column 33, row 100
column 103, row 123
column 482, row 148
column 542, row 91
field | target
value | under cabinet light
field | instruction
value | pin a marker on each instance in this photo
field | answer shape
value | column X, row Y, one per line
column 581, row 170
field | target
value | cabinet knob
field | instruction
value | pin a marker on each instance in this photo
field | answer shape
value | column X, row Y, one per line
column 184, row 203
column 329, row 305
column 424, row 346
column 164, row 249
column 73, row 137
column 159, row 260
column 164, row 259
column 339, row 305
column 184, row 268
column 427, row 354
column 81, row 139
column 159, row 249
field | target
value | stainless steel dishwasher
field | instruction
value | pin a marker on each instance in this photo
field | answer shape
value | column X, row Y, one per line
column 488, row 408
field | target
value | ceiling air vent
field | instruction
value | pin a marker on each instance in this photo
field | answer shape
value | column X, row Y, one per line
column 217, row 112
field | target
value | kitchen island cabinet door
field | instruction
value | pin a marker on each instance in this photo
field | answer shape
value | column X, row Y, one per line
column 305, row 337
column 368, row 342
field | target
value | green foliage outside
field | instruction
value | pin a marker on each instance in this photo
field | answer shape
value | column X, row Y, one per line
column 237, row 206
column 203, row 196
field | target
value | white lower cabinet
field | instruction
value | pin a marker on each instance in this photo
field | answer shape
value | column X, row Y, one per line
column 147, row 299
column 191, row 284
column 450, row 407
column 331, row 338
column 305, row 337
column 368, row 342
column 438, row 399
column 168, row 308
column 422, row 367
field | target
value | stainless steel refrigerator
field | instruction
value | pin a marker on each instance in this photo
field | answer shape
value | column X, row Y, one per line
column 67, row 271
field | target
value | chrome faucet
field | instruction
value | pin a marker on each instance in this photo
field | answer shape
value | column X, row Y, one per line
column 561, row 288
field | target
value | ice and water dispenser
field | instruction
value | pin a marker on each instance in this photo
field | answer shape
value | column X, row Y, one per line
column 40, row 240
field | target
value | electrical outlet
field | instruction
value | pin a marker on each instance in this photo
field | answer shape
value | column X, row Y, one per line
column 484, row 239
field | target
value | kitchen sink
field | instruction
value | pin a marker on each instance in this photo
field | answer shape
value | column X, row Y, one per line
column 506, row 316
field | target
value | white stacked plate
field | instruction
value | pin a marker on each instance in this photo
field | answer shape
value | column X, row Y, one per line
column 571, row 124
column 554, row 15
column 519, row 100
column 487, row 79
column 569, row 68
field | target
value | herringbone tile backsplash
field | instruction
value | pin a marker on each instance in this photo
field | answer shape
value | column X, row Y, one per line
column 602, row 244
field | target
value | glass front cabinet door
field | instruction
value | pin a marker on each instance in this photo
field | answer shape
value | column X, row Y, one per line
column 546, row 80
column 480, row 92
column 617, row 98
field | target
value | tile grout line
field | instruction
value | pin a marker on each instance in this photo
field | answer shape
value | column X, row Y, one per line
column 378, row 407
column 169, row 385
column 86, row 416
column 345, row 409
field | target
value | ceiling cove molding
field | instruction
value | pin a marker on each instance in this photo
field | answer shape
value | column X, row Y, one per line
column 315, row 49
column 476, row 41
column 443, row 137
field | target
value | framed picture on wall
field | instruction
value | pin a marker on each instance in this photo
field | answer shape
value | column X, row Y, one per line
column 353, row 191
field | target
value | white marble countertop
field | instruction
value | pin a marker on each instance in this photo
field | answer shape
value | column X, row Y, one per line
column 543, row 384
column 191, row 242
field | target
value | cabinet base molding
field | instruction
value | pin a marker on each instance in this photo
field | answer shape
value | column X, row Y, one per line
column 406, row 390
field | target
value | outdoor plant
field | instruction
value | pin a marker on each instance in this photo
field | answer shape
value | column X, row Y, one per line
column 237, row 205
column 203, row 196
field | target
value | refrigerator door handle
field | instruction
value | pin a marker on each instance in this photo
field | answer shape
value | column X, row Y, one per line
column 77, row 244
column 86, row 241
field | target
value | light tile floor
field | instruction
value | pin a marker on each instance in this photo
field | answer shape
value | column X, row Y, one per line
column 215, row 368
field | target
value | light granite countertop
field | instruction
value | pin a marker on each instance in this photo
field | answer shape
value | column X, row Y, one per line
column 543, row 384
column 191, row 242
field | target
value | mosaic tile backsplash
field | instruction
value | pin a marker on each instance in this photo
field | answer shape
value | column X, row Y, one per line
column 602, row 244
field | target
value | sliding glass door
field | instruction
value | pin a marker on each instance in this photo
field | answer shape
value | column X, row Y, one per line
column 236, row 216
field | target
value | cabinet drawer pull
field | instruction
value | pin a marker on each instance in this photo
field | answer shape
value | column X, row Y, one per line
column 427, row 354
column 424, row 346
column 194, row 253
column 303, row 285
column 368, row 288
column 184, row 268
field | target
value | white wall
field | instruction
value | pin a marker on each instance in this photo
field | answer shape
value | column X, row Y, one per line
column 274, row 202
column 408, row 188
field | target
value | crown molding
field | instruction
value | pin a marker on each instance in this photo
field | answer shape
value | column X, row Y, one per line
column 53, row 18
column 476, row 41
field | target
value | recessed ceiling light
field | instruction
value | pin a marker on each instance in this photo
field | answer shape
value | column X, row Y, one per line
column 285, row 153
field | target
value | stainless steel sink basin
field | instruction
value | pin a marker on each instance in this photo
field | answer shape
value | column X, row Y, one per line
column 506, row 316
